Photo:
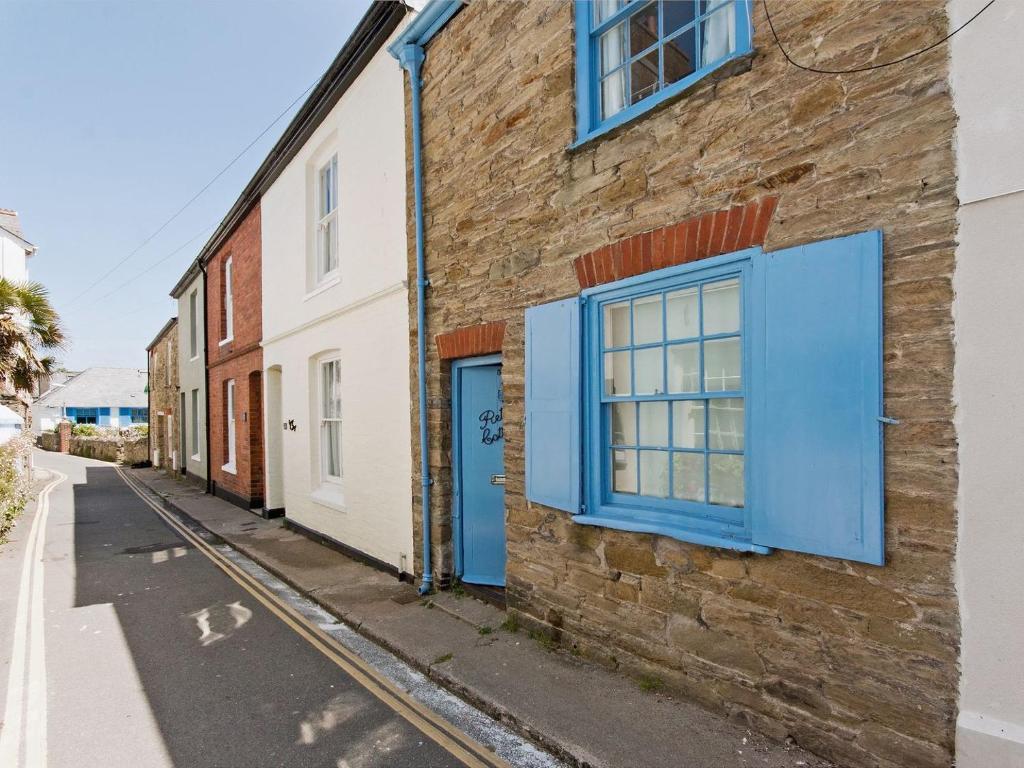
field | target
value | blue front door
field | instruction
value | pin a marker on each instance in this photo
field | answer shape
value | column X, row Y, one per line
column 481, row 470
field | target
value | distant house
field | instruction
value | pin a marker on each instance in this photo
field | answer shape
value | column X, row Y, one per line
column 15, row 251
column 107, row 397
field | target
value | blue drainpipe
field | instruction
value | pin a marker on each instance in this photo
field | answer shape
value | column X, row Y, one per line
column 411, row 57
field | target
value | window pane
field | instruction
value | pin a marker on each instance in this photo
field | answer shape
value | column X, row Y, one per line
column 604, row 9
column 725, row 431
column 726, row 478
column 613, row 56
column 647, row 319
column 718, row 31
column 613, row 93
column 623, row 423
column 688, row 424
column 643, row 77
column 679, row 54
column 684, row 368
column 616, row 373
column 654, row 424
column 654, row 473
column 649, row 371
column 722, row 307
column 613, row 48
column 643, row 32
column 688, row 476
column 331, row 435
column 722, row 365
column 676, row 14
column 624, row 471
column 681, row 314
column 616, row 325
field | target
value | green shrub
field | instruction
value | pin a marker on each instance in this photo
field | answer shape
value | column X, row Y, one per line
column 14, row 480
column 85, row 430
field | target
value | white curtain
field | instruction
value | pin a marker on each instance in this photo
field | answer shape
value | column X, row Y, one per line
column 613, row 87
column 719, row 31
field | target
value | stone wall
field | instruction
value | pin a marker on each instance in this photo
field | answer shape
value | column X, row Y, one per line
column 121, row 448
column 858, row 663
column 164, row 425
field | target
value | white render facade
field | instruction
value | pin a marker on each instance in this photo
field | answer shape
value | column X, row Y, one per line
column 192, row 372
column 335, row 325
column 986, row 74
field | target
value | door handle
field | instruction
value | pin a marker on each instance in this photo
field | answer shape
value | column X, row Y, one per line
column 497, row 479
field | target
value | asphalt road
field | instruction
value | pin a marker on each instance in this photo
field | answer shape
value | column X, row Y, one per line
column 127, row 645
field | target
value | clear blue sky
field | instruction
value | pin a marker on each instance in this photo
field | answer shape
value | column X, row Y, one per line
column 113, row 114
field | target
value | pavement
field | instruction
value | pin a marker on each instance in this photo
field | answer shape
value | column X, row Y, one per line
column 583, row 714
column 127, row 640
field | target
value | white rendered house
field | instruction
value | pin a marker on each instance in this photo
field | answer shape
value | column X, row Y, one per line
column 335, row 306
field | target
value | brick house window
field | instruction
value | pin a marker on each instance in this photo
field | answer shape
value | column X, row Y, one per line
column 227, row 303
column 631, row 56
column 229, row 427
column 326, row 235
column 330, row 419
column 193, row 324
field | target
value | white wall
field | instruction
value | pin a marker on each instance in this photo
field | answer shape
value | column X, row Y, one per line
column 363, row 317
column 192, row 375
column 13, row 259
column 987, row 72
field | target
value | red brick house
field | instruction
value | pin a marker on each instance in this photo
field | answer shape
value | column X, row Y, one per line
column 232, row 263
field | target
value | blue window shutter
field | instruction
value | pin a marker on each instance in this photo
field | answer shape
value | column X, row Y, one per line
column 816, row 341
column 553, row 404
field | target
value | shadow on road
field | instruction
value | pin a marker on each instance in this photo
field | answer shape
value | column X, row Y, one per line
column 227, row 683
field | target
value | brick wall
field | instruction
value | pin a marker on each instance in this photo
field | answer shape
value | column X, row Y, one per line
column 858, row 663
column 240, row 359
column 163, row 397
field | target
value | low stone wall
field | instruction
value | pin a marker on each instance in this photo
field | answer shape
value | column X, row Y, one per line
column 114, row 448
column 120, row 450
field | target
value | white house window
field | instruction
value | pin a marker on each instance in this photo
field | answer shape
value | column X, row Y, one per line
column 195, row 424
column 193, row 339
column 229, row 417
column 229, row 302
column 330, row 419
column 327, row 220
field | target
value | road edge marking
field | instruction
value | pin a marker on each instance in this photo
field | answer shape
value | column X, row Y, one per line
column 461, row 745
column 25, row 615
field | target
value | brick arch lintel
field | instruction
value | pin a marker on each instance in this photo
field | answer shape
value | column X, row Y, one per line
column 710, row 234
column 471, row 340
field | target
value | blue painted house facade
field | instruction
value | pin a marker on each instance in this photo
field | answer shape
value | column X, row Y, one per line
column 106, row 397
column 683, row 348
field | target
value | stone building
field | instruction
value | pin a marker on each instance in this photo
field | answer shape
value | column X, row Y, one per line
column 231, row 261
column 671, row 276
column 162, row 384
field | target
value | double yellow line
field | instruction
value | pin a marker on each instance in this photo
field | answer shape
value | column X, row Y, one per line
column 437, row 729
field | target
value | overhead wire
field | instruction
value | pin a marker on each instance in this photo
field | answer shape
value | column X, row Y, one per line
column 869, row 67
column 84, row 293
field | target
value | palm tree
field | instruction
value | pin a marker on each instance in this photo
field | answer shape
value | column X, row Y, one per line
column 29, row 327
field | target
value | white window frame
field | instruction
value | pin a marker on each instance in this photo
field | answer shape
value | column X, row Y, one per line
column 193, row 323
column 195, row 425
column 324, row 420
column 229, row 302
column 326, row 226
column 229, row 404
